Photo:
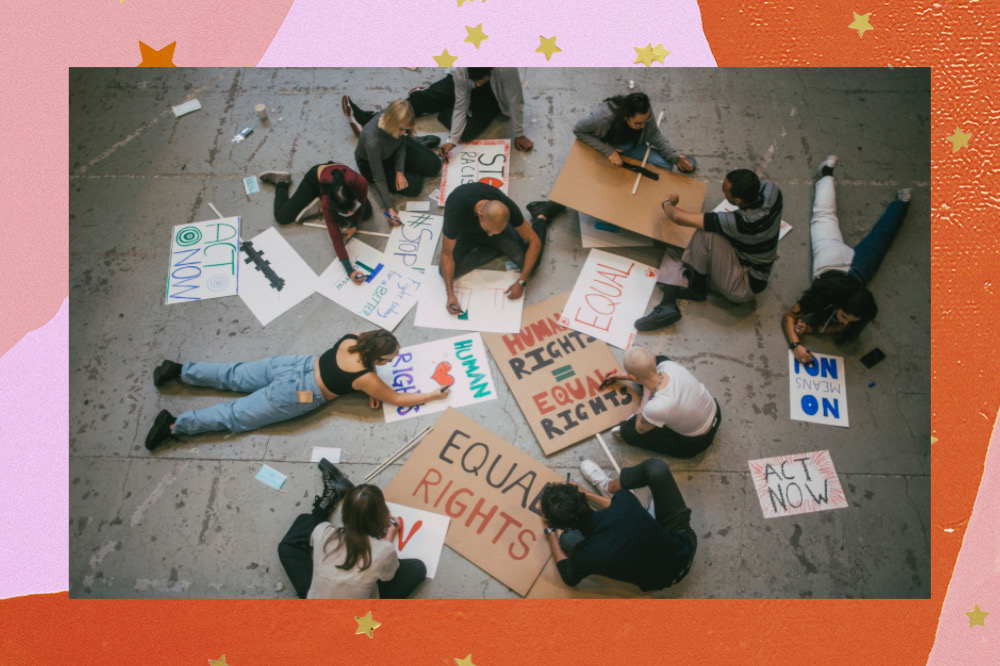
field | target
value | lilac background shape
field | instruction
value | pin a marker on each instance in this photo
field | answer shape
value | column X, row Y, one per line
column 34, row 461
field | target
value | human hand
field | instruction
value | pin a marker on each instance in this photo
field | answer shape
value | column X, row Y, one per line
column 440, row 394
column 803, row 355
column 611, row 378
column 684, row 164
column 401, row 180
column 616, row 157
column 445, row 149
column 394, row 220
column 523, row 143
column 514, row 291
column 672, row 199
column 374, row 402
column 357, row 277
column 453, row 306
column 800, row 326
column 349, row 232
column 390, row 534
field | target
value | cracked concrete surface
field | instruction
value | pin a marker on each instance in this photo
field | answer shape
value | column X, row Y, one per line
column 191, row 521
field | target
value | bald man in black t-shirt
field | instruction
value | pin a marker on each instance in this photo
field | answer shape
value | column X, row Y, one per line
column 482, row 223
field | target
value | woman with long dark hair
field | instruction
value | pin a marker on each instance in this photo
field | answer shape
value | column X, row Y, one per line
column 333, row 189
column 624, row 125
column 283, row 387
column 838, row 302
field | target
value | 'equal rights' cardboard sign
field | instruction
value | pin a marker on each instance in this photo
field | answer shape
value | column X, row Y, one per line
column 798, row 483
column 610, row 294
column 555, row 375
column 489, row 489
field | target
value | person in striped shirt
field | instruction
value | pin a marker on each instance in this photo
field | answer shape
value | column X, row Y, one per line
column 730, row 252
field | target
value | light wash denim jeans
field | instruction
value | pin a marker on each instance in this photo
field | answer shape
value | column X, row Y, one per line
column 272, row 384
column 638, row 152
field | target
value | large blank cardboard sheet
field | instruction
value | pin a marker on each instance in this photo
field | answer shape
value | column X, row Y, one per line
column 488, row 488
column 591, row 184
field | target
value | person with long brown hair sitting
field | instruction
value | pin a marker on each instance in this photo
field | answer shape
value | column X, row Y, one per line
column 283, row 387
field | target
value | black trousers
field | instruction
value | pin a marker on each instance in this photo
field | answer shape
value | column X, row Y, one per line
column 667, row 441
column 439, row 97
column 421, row 162
column 295, row 554
column 287, row 209
column 471, row 252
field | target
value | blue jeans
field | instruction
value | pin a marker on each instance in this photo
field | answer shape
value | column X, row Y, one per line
column 869, row 253
column 638, row 152
column 272, row 384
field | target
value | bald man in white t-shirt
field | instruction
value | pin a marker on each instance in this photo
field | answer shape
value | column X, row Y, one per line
column 677, row 415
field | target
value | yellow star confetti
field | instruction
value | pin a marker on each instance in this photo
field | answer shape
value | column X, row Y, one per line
column 366, row 625
column 659, row 53
column 548, row 47
column 475, row 35
column 959, row 140
column 465, row 662
column 221, row 661
column 644, row 55
column 977, row 617
column 461, row 1
column 934, row 440
column 445, row 59
column 861, row 23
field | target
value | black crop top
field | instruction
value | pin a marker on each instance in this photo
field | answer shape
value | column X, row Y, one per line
column 335, row 379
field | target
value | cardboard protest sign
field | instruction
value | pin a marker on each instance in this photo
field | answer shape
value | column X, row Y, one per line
column 204, row 260
column 480, row 161
column 591, row 184
column 274, row 278
column 728, row 208
column 481, row 295
column 490, row 490
column 384, row 299
column 818, row 394
column 460, row 362
column 555, row 375
column 412, row 245
column 610, row 294
column 597, row 233
column 798, row 483
column 549, row 585
column 421, row 534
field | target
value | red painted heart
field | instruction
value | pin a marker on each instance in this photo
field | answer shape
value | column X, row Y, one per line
column 441, row 375
column 495, row 182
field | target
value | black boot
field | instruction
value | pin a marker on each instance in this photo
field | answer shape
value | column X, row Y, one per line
column 548, row 209
column 165, row 372
column 160, row 432
column 429, row 140
column 335, row 487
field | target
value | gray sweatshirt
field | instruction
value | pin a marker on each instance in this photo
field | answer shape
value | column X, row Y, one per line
column 592, row 130
column 506, row 85
column 374, row 146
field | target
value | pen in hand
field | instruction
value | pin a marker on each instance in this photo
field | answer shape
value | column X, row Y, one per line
column 392, row 217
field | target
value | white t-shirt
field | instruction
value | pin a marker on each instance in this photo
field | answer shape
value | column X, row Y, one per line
column 684, row 405
column 329, row 582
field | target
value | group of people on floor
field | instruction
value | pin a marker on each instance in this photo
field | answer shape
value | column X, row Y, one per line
column 343, row 548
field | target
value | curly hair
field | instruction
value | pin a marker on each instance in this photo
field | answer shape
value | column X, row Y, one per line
column 840, row 291
column 565, row 507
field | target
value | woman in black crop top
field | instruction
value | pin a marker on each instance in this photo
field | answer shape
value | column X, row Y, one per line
column 283, row 387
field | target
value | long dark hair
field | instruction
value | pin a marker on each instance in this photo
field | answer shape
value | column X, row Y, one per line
column 365, row 515
column 341, row 197
column 838, row 290
column 624, row 106
column 373, row 345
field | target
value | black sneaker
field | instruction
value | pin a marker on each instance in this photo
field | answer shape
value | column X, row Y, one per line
column 689, row 294
column 165, row 372
column 430, row 140
column 661, row 317
column 548, row 209
column 160, row 432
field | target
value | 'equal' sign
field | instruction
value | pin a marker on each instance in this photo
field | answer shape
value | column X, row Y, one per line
column 563, row 373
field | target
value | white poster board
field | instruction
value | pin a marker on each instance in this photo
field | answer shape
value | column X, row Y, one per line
column 204, row 260
column 818, row 394
column 388, row 295
column 412, row 245
column 485, row 306
column 480, row 161
column 727, row 207
column 597, row 233
column 460, row 362
column 421, row 534
column 277, row 280
column 610, row 294
column 798, row 483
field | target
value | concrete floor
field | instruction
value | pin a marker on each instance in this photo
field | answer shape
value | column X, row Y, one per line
column 191, row 521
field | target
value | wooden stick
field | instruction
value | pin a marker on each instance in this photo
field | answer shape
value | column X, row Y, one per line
column 638, row 176
column 317, row 225
column 210, row 205
column 314, row 224
column 607, row 452
column 395, row 456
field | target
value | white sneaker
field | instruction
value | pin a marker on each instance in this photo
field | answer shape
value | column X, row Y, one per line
column 829, row 161
column 904, row 194
column 597, row 476
column 616, row 432
column 312, row 210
